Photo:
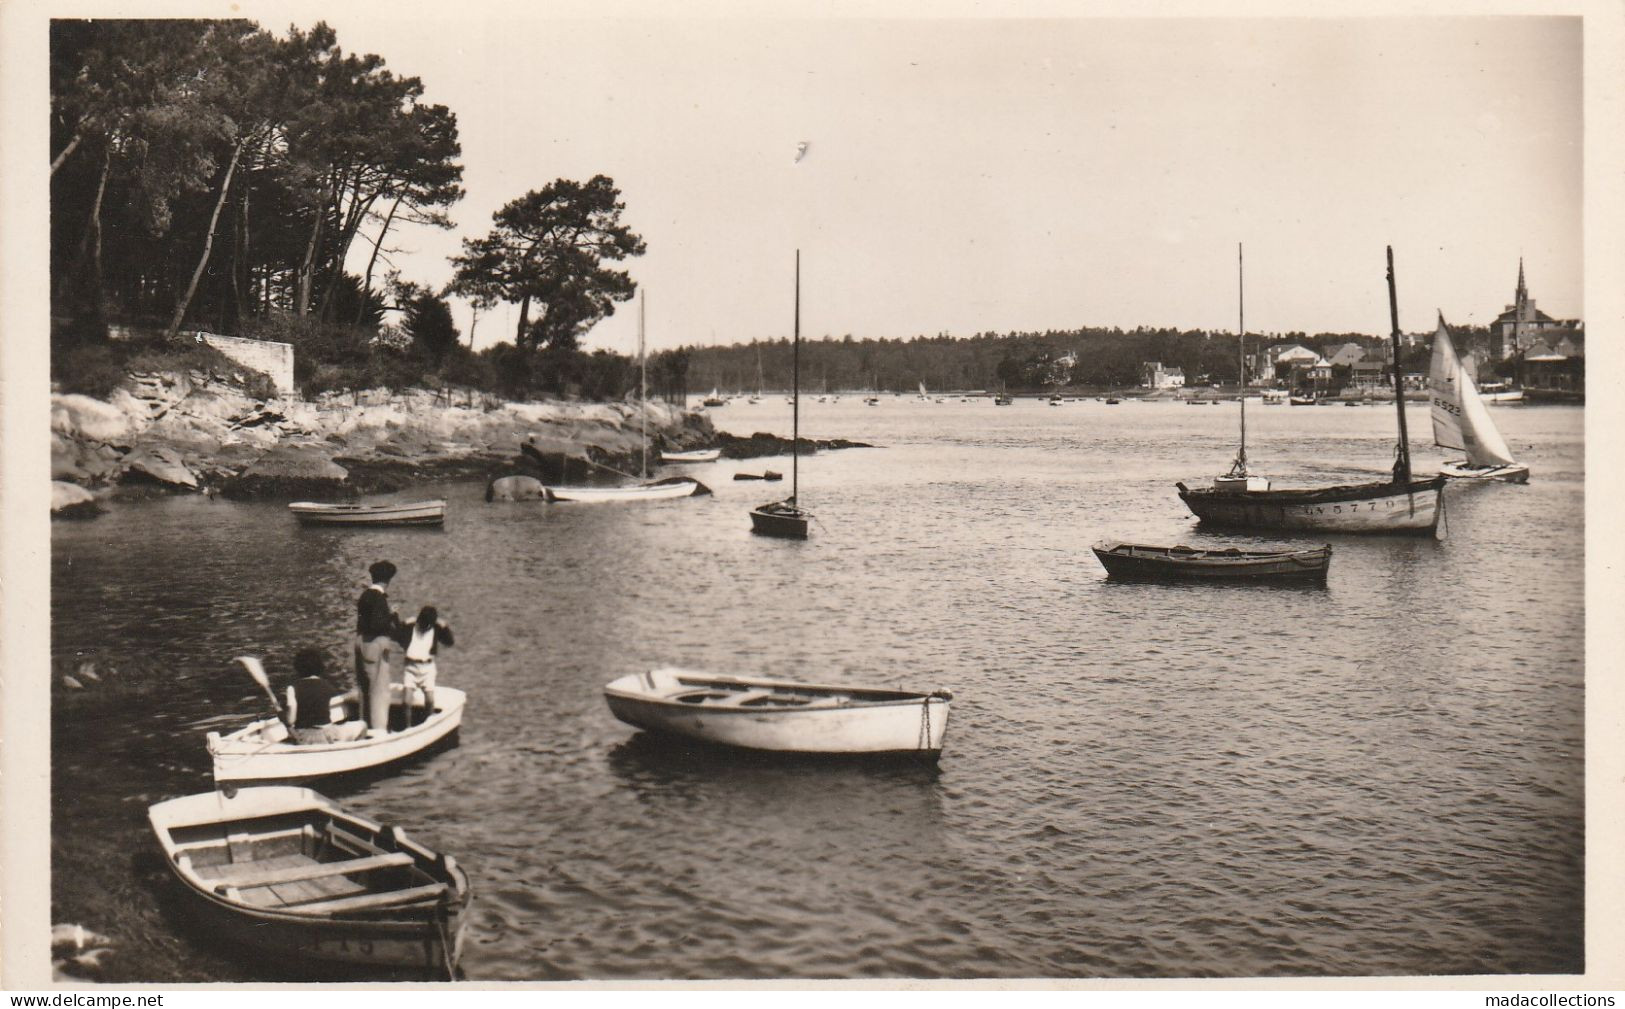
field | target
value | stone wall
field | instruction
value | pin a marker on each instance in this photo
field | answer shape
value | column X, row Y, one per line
column 275, row 359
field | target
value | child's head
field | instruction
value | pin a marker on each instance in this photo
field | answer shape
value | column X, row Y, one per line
column 427, row 617
column 310, row 662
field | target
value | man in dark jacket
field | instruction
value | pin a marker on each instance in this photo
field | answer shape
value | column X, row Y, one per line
column 376, row 628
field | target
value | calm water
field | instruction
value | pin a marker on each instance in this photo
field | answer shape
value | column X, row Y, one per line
column 1380, row 777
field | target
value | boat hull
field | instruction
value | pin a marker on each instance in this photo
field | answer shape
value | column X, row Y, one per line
column 1383, row 508
column 246, row 756
column 611, row 495
column 785, row 524
column 411, row 940
column 697, row 455
column 889, row 723
column 1461, row 469
column 414, row 513
column 1137, row 562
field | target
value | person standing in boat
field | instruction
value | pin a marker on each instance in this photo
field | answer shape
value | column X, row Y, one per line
column 377, row 628
column 422, row 640
column 308, row 712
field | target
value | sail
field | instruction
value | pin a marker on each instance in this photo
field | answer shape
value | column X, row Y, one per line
column 923, row 393
column 1460, row 419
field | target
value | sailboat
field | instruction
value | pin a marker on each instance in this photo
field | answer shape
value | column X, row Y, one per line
column 1461, row 421
column 1400, row 504
column 656, row 490
column 1238, row 479
column 758, row 397
column 786, row 518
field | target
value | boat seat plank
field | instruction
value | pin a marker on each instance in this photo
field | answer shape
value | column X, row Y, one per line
column 745, row 697
column 368, row 901
column 229, row 872
column 270, row 876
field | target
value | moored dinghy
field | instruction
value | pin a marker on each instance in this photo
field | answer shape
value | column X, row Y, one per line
column 287, row 876
column 693, row 455
column 781, row 716
column 404, row 513
column 1224, row 564
column 786, row 519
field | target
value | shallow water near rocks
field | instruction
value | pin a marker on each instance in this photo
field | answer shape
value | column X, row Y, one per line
column 1383, row 776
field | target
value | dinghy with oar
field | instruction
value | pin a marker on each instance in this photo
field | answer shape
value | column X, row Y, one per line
column 265, row 751
column 288, row 878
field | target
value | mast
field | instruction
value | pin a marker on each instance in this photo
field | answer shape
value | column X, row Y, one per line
column 795, row 405
column 643, row 383
column 1402, row 465
column 1241, row 361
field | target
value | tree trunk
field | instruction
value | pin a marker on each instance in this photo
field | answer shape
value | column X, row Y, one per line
column 239, row 264
column 524, row 317
column 208, row 245
column 366, row 286
column 98, row 301
column 57, row 162
column 307, row 267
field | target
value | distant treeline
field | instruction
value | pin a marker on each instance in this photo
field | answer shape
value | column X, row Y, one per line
column 1102, row 357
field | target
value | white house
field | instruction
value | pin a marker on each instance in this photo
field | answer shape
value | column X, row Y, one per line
column 1155, row 376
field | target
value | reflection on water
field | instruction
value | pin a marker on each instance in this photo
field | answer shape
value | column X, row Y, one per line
column 1381, row 776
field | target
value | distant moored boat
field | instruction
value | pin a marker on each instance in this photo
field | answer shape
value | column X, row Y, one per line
column 406, row 513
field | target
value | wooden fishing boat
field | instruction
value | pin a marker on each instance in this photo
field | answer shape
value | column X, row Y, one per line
column 693, row 455
column 1301, row 400
column 1461, row 421
column 404, row 513
column 1400, row 504
column 263, row 750
column 786, row 519
column 1229, row 564
column 285, row 876
column 781, row 716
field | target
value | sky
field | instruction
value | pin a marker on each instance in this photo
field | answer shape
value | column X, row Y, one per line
column 998, row 174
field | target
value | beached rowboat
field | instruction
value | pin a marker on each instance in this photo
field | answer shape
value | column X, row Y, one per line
column 285, row 876
column 405, row 513
column 781, row 715
column 262, row 750
column 1230, row 564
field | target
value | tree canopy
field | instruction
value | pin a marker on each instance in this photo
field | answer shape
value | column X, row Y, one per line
column 548, row 250
column 211, row 170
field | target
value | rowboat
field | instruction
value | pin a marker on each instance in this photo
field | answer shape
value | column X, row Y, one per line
column 694, row 455
column 405, row 513
column 780, row 715
column 286, row 877
column 262, row 751
column 780, row 518
column 1229, row 564
column 653, row 491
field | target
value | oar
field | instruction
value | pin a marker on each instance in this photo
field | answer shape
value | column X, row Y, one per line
column 257, row 671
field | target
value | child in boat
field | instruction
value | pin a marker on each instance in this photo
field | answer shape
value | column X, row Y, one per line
column 422, row 641
column 308, row 712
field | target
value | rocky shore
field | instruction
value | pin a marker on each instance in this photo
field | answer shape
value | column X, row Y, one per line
column 187, row 432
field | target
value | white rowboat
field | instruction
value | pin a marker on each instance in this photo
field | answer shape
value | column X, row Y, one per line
column 694, row 455
column 781, row 716
column 657, row 491
column 410, row 513
column 262, row 751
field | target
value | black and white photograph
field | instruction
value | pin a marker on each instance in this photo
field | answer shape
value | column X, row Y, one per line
column 549, row 494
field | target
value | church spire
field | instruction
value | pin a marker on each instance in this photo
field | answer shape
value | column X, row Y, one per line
column 1523, row 293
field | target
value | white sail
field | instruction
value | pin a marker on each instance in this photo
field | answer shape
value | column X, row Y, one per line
column 1460, row 419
